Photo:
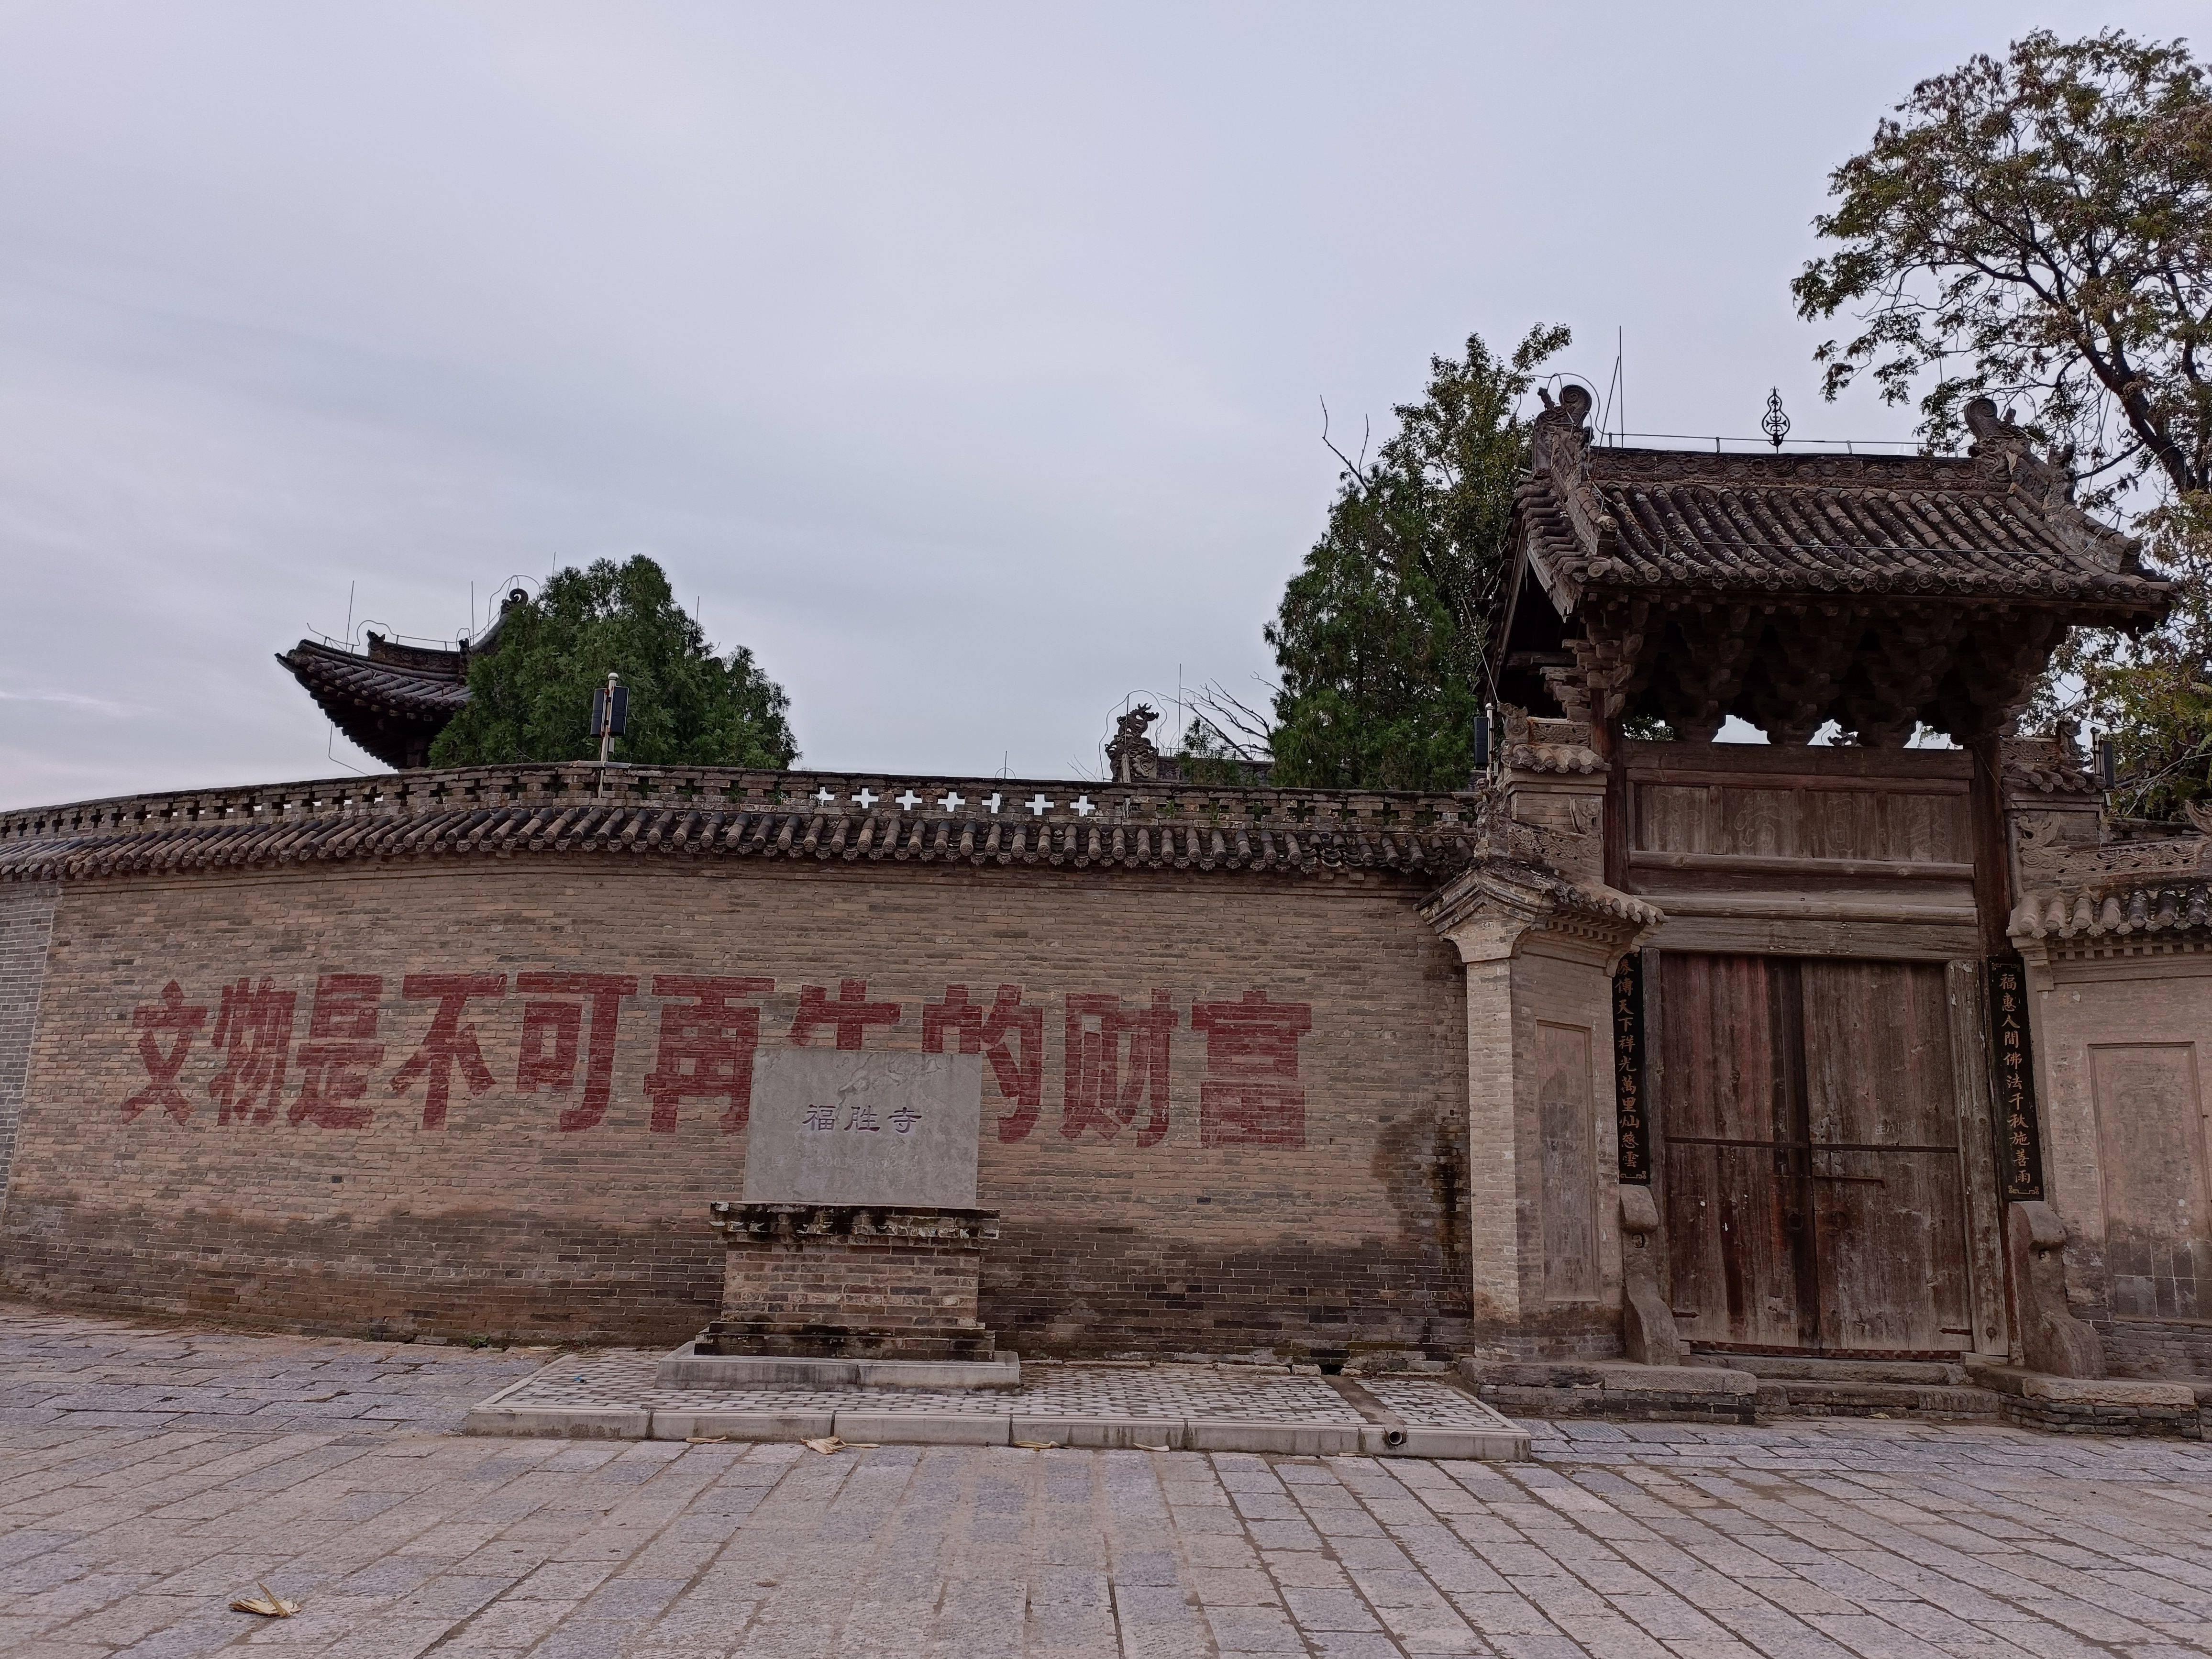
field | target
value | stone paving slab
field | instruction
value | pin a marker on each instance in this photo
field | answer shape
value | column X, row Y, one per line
column 1829, row 1539
column 617, row 1394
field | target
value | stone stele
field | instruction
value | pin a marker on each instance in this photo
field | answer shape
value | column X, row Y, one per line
column 831, row 1126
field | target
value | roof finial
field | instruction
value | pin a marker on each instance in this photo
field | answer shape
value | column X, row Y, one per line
column 1776, row 426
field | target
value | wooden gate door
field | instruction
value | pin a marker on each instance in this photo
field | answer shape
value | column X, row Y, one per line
column 1815, row 1197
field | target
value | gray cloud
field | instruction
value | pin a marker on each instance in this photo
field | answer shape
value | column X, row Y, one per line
column 963, row 361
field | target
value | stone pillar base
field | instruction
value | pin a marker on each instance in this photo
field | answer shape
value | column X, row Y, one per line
column 848, row 1281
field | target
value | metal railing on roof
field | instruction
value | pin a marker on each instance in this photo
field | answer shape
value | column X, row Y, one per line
column 1765, row 446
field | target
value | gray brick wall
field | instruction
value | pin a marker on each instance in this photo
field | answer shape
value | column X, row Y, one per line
column 27, row 922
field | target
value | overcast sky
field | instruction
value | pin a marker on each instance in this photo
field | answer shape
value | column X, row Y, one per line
column 963, row 362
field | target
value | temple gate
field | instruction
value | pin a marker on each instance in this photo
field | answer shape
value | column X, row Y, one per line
column 1812, row 1089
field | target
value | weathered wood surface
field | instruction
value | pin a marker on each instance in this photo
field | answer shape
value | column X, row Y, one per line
column 1889, row 1224
column 1815, row 1193
column 1812, row 851
column 1735, row 1198
column 1966, row 988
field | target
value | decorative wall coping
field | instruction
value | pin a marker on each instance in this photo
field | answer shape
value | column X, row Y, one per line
column 2120, row 891
column 2047, row 765
column 723, row 812
column 2172, row 907
column 1488, row 909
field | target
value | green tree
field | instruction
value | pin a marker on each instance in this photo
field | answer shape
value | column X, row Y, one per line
column 531, row 699
column 2151, row 696
column 1381, row 638
column 2038, row 229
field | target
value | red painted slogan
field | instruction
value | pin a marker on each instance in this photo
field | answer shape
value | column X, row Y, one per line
column 1113, row 1053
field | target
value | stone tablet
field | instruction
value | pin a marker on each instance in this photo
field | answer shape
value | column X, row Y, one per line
column 832, row 1127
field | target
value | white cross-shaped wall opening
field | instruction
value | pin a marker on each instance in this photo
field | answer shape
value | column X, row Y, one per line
column 1038, row 807
column 867, row 797
column 1083, row 807
column 908, row 802
column 953, row 801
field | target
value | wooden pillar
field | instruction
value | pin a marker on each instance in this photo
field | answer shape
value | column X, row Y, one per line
column 1993, row 897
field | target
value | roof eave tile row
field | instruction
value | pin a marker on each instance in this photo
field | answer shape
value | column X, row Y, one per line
column 328, row 674
column 699, row 835
column 708, row 813
column 2164, row 908
column 1657, row 522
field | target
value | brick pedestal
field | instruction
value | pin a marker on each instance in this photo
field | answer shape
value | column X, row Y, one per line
column 850, row 1282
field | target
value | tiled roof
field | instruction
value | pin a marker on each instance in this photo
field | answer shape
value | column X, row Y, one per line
column 713, row 813
column 1991, row 526
column 2162, row 908
column 2049, row 765
column 392, row 701
column 330, row 673
column 2120, row 891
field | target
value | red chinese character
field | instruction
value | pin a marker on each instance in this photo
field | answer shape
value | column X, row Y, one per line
column 1094, row 1097
column 253, row 1033
column 852, row 1013
column 169, row 1014
column 335, row 1060
column 1019, row 1076
column 706, row 1047
column 447, row 1043
column 1250, row 1095
column 559, row 1022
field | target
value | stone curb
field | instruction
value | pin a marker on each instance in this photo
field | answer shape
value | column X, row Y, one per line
column 927, row 1428
column 1613, row 1388
column 741, row 1425
column 1475, row 1446
column 2078, row 1405
column 687, row 1368
column 562, row 1422
column 1111, row 1433
column 1506, row 1445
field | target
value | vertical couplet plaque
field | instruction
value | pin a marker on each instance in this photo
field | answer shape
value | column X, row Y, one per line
column 2019, row 1142
column 1634, row 1127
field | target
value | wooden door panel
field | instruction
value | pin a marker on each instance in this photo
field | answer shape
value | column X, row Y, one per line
column 1890, row 1232
column 1714, row 1039
column 1878, row 1054
column 1736, row 1204
column 1815, row 1195
column 1889, row 1224
column 1733, row 1217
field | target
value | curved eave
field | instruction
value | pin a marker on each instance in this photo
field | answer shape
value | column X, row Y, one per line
column 390, row 712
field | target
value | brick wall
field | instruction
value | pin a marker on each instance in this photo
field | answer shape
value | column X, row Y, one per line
column 2150, row 1348
column 890, row 1285
column 2123, row 1039
column 27, row 915
column 865, row 1297
column 420, row 1166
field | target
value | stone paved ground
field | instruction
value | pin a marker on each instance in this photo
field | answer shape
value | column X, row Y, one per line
column 624, row 1378
column 147, row 1476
